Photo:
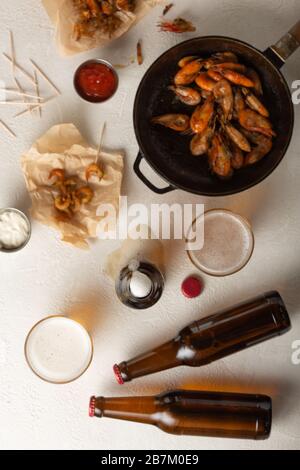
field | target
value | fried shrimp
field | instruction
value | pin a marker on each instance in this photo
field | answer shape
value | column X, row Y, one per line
column 93, row 170
column 226, row 118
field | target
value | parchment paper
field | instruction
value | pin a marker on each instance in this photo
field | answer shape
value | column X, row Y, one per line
column 63, row 16
column 64, row 147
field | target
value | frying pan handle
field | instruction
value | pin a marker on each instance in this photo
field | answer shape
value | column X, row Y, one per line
column 281, row 51
column 143, row 178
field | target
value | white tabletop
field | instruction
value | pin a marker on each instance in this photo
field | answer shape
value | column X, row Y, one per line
column 51, row 277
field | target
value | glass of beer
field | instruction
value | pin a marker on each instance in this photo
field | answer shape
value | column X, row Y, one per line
column 58, row 349
column 228, row 242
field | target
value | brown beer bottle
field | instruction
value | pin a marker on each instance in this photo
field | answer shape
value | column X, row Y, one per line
column 213, row 337
column 193, row 413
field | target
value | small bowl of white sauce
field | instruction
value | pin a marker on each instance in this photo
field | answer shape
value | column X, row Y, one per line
column 15, row 230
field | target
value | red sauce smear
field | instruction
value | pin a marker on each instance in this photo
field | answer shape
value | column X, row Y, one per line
column 96, row 82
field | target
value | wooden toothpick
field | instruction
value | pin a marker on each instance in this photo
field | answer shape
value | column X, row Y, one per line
column 100, row 142
column 37, row 89
column 38, row 69
column 12, row 49
column 21, row 103
column 5, row 126
column 35, row 106
column 20, row 92
column 23, row 71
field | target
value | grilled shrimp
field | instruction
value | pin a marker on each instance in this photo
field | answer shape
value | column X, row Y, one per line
column 252, row 121
column 179, row 25
column 188, row 73
column 239, row 103
column 219, row 58
column 58, row 174
column 75, row 202
column 62, row 202
column 220, row 157
column 70, row 182
column 94, row 7
column 69, row 199
column 225, row 56
column 214, row 75
column 67, row 185
column 185, row 60
column 200, row 142
column 202, row 115
column 237, row 138
column 107, row 8
column 206, row 94
column 126, row 5
column 255, row 103
column 186, row 95
column 204, row 81
column 211, row 62
column 237, row 158
column 253, row 75
column 177, row 122
column 85, row 194
column 223, row 94
column 230, row 66
column 237, row 78
column 231, row 126
column 263, row 146
column 93, row 170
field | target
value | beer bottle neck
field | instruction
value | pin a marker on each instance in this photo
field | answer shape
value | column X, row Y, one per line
column 138, row 409
column 161, row 358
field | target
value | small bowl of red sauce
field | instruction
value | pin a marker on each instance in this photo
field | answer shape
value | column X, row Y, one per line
column 96, row 81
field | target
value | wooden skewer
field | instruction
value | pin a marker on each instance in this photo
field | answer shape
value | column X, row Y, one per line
column 35, row 106
column 37, row 89
column 21, row 103
column 28, row 110
column 20, row 92
column 7, row 128
column 45, row 77
column 12, row 48
column 100, row 142
column 24, row 72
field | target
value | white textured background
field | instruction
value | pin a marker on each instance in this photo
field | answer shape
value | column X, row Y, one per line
column 50, row 277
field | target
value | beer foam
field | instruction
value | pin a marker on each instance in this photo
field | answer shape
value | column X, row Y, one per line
column 58, row 349
column 228, row 243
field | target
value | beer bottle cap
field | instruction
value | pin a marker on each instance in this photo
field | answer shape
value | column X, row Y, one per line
column 191, row 287
column 92, row 407
column 118, row 375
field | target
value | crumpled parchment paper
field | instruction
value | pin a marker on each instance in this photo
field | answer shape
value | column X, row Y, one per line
column 64, row 147
column 63, row 16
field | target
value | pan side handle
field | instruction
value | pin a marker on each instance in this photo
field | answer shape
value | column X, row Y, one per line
column 148, row 183
column 281, row 51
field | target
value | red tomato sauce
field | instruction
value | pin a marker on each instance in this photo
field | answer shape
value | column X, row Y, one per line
column 95, row 81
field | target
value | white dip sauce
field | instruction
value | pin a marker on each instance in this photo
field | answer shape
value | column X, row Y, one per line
column 14, row 230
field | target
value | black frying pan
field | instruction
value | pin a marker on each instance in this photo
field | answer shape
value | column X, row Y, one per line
column 168, row 153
